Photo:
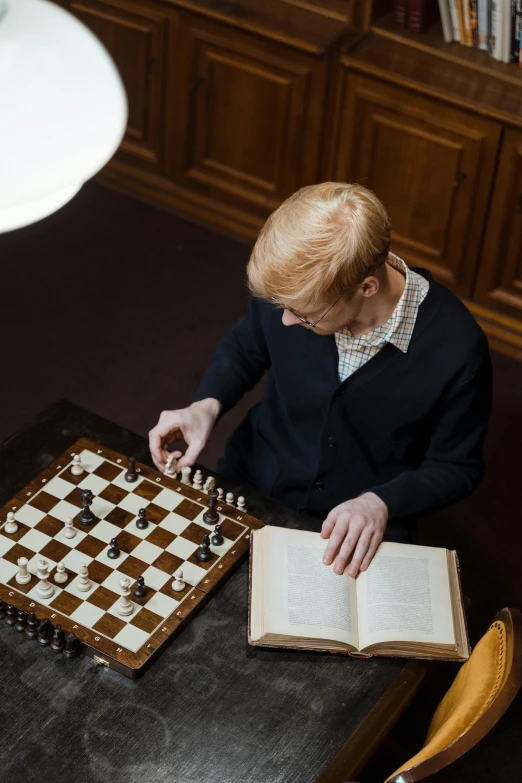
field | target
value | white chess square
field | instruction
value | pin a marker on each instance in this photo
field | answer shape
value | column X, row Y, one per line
column 90, row 461
column 120, row 481
column 155, row 578
column 7, row 570
column 133, row 503
column 182, row 547
column 95, row 483
column 192, row 574
column 73, row 560
column 147, row 552
column 5, row 544
column 72, row 587
column 34, row 540
column 168, row 499
column 131, row 528
column 131, row 638
column 63, row 510
column 72, row 542
column 59, row 488
column 222, row 548
column 29, row 515
column 103, row 557
column 32, row 565
column 162, row 604
column 33, row 594
column 104, row 531
column 113, row 581
column 128, row 617
column 101, row 508
column 87, row 614
column 174, row 523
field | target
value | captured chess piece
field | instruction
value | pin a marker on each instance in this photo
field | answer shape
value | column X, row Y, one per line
column 23, row 576
column 142, row 522
column 170, row 467
column 229, row 499
column 185, row 474
column 45, row 632
column 58, row 640
column 204, row 552
column 10, row 526
column 217, row 539
column 114, row 551
column 10, row 615
column 76, row 468
column 198, row 480
column 209, row 483
column 132, row 474
column 178, row 584
column 211, row 516
column 241, row 504
column 71, row 648
column 21, row 621
column 140, row 591
column 31, row 629
column 86, row 515
column 220, row 494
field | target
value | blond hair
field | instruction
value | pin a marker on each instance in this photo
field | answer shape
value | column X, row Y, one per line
column 323, row 241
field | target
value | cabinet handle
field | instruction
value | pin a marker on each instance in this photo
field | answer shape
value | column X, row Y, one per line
column 461, row 176
column 519, row 209
column 194, row 86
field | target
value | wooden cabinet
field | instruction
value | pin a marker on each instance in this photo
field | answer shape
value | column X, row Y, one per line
column 430, row 165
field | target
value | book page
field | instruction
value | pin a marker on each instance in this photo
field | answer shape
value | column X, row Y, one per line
column 405, row 596
column 305, row 598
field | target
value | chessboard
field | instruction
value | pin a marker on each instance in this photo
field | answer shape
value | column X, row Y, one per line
column 174, row 511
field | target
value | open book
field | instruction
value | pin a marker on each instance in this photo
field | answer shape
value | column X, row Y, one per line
column 408, row 603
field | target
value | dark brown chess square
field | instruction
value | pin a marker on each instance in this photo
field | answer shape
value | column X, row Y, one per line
column 113, row 494
column 90, row 546
column 66, row 602
column 66, row 475
column 50, row 526
column 132, row 566
column 161, row 537
column 102, row 597
column 231, row 529
column 155, row 513
column 44, row 502
column 146, row 620
column 55, row 551
column 18, row 551
column 195, row 533
column 71, row 575
column 187, row 509
column 75, row 497
column 107, row 471
column 146, row 598
column 109, row 625
column 168, row 563
column 194, row 559
column 127, row 542
column 147, row 490
column 177, row 595
column 20, row 533
column 99, row 572
column 119, row 517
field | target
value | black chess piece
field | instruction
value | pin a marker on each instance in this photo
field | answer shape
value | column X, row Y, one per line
column 45, row 632
column 114, row 550
column 58, row 640
column 86, row 515
column 217, row 539
column 211, row 516
column 131, row 475
column 3, row 609
column 204, row 552
column 21, row 621
column 140, row 591
column 142, row 522
column 71, row 647
column 10, row 615
column 31, row 629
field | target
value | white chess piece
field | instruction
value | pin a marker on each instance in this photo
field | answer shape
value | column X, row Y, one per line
column 178, row 584
column 77, row 469
column 44, row 588
column 69, row 531
column 198, row 480
column 83, row 583
column 185, row 474
column 23, row 576
column 61, row 574
column 170, row 467
column 220, row 493
column 209, row 483
column 230, row 499
column 241, row 504
column 11, row 525
column 124, row 605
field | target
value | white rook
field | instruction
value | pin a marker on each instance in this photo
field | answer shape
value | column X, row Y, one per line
column 23, row 576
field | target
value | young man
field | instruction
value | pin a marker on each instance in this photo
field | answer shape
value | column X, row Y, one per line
column 377, row 399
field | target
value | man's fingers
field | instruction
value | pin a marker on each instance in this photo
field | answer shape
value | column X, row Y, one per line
column 360, row 552
column 374, row 543
column 337, row 537
column 347, row 547
column 195, row 447
column 156, row 448
column 328, row 524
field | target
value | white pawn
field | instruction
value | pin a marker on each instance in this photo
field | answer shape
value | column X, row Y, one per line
column 61, row 574
column 83, row 583
column 69, row 531
column 220, row 493
column 77, row 469
column 170, row 467
column 44, row 588
column 198, row 480
column 241, row 504
column 230, row 499
column 178, row 584
column 11, row 525
column 185, row 474
column 23, row 576
column 124, row 605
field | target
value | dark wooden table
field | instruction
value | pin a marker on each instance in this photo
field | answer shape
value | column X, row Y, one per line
column 211, row 708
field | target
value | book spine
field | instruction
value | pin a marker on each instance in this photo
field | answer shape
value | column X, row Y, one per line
column 483, row 24
column 520, row 51
column 400, row 9
column 468, row 38
column 496, row 30
column 473, row 15
column 462, row 29
column 416, row 16
column 516, row 13
column 445, row 17
column 454, row 19
column 506, row 31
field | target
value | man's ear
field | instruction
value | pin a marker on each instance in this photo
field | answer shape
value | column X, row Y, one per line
column 369, row 287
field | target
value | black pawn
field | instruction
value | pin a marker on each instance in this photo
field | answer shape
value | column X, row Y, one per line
column 114, row 550
column 45, row 632
column 204, row 552
column 86, row 516
column 140, row 591
column 142, row 522
column 131, row 475
column 217, row 539
column 58, row 640
column 211, row 516
column 31, row 629
column 10, row 615
column 21, row 621
column 71, row 648
column 3, row 609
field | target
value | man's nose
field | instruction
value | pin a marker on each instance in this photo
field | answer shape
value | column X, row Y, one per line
column 289, row 319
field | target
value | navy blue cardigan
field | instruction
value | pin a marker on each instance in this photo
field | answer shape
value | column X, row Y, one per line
column 407, row 426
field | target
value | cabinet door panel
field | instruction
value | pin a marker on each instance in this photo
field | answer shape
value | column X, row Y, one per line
column 430, row 164
column 136, row 41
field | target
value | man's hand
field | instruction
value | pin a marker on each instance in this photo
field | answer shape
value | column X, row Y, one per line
column 355, row 526
column 194, row 424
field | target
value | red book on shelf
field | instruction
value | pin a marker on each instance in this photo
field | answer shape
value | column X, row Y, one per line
column 400, row 9
column 421, row 13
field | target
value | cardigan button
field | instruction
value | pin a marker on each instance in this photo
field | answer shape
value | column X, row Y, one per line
column 331, row 441
column 318, row 485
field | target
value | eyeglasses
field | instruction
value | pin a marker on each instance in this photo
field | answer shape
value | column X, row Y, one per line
column 304, row 320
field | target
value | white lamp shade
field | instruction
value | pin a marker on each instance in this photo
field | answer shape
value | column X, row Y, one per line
column 63, row 109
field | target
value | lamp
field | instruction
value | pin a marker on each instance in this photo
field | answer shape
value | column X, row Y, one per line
column 63, row 109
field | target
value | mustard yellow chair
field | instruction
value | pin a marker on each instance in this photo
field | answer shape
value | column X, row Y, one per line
column 481, row 693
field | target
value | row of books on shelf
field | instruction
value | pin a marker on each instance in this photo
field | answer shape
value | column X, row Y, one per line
column 491, row 25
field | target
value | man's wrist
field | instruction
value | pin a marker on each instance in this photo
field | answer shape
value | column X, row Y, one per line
column 211, row 405
column 375, row 498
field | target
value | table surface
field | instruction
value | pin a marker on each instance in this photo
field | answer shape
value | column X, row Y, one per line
column 212, row 707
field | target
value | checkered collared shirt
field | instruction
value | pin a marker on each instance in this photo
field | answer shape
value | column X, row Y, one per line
column 354, row 352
